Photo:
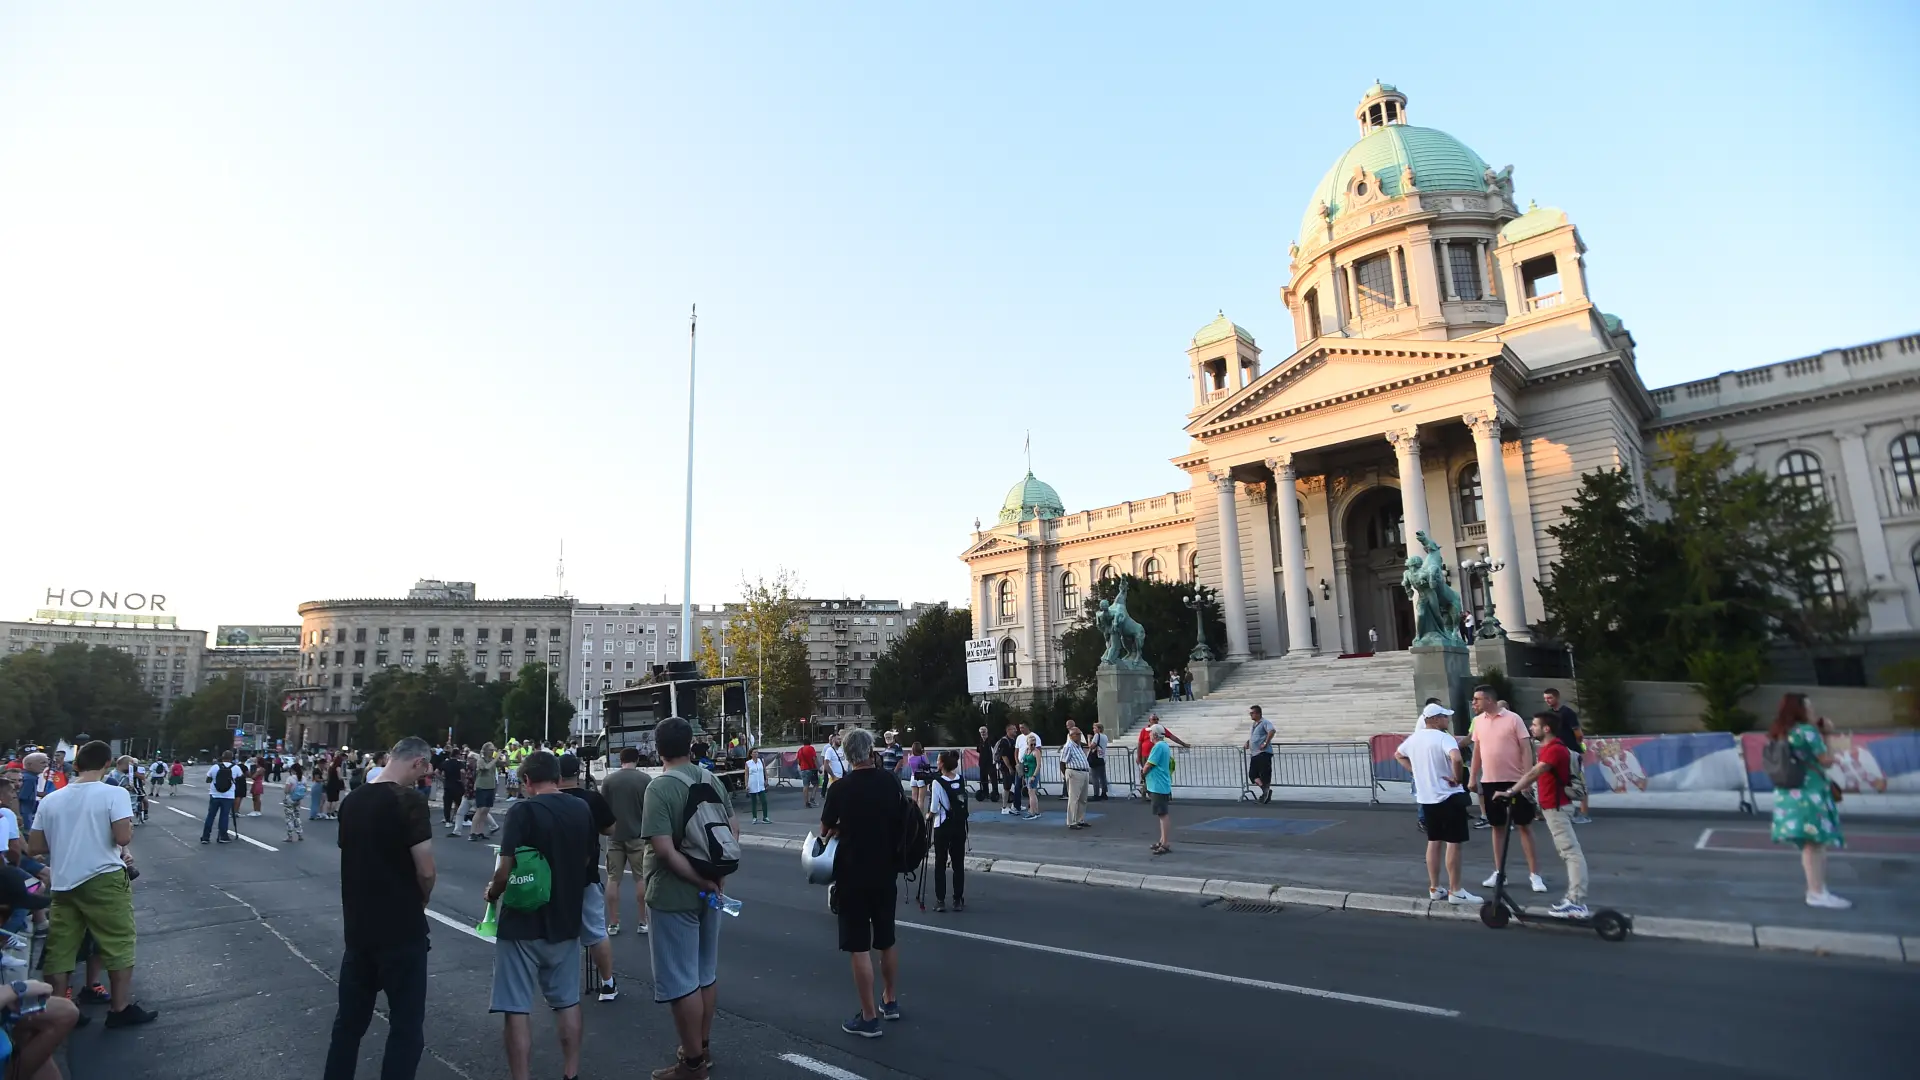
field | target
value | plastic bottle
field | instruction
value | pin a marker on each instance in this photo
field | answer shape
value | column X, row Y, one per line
column 489, row 927
column 722, row 903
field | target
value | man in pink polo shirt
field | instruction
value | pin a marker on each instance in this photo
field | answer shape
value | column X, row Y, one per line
column 1502, row 751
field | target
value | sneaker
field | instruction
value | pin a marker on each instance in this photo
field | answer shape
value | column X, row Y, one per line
column 939, row 907
column 1828, row 900
column 1536, row 883
column 1582, row 819
column 1482, row 823
column 1006, row 809
column 680, row 1070
column 959, row 905
column 613, row 929
column 1033, row 817
column 890, row 1010
column 204, row 840
column 609, row 991
column 253, row 813
column 131, row 1015
column 640, row 928
column 1567, row 909
column 859, row 1025
column 1493, row 880
column 224, row 840
column 1436, row 895
column 1462, row 897
column 93, row 995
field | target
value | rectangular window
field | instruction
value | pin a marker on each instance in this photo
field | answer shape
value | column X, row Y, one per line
column 629, row 665
column 326, row 637
column 460, row 634
column 382, row 635
column 506, row 635
column 1466, row 271
column 340, row 656
column 333, row 703
column 338, row 680
column 359, row 680
column 380, row 658
column 1373, row 277
column 606, row 646
column 606, row 684
column 406, row 657
column 1540, row 280
column 433, row 635
column 631, row 645
column 360, row 635
column 359, row 657
column 586, row 647
column 433, row 656
column 631, row 627
column 586, row 665
column 553, row 633
column 480, row 656
column 407, row 634
column 529, row 634
column 480, row 636
column 609, row 666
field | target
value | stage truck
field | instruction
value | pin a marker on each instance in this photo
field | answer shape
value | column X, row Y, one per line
column 717, row 709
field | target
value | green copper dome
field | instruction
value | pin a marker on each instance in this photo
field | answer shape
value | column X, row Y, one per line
column 1220, row 329
column 1440, row 163
column 1030, row 499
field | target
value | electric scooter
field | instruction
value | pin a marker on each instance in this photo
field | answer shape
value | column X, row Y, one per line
column 1611, row 925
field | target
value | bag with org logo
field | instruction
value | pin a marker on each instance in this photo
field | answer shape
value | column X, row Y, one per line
column 530, row 881
column 706, row 835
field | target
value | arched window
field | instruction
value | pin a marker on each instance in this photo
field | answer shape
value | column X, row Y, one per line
column 1906, row 470
column 1829, row 579
column 1801, row 470
column 1152, row 571
column 1069, row 596
column 1006, row 601
column 1108, row 573
column 1009, row 661
column 1193, row 567
column 1473, row 504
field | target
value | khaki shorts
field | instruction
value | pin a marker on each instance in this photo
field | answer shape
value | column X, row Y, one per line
column 101, row 905
column 622, row 854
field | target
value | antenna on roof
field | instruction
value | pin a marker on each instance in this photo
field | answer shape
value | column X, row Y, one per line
column 560, row 571
column 1029, row 452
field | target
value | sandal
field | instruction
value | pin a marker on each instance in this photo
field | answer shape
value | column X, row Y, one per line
column 1159, row 849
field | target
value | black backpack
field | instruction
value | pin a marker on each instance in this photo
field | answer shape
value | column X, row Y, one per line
column 1784, row 767
column 956, row 790
column 912, row 838
column 705, row 836
column 223, row 780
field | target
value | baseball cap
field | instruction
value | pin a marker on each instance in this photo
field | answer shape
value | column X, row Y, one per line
column 1435, row 709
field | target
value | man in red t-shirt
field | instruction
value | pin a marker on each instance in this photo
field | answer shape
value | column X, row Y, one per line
column 1552, row 775
column 808, row 763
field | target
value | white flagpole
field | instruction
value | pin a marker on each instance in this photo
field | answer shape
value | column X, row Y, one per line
column 686, row 585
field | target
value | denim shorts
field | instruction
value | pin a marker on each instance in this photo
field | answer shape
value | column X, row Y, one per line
column 685, row 946
column 483, row 798
column 593, row 914
column 521, row 966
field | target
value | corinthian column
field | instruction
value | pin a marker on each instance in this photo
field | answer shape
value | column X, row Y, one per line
column 1413, row 486
column 1293, row 557
column 1233, row 583
column 1508, row 595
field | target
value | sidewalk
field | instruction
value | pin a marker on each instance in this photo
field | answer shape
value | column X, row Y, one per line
column 1688, row 865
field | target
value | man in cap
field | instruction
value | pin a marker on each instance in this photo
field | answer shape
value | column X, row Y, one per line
column 1432, row 755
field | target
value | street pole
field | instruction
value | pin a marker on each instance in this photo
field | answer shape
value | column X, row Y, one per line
column 546, row 729
column 686, row 583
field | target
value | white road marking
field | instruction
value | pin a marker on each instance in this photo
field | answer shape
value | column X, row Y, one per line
column 1235, row 980
column 1705, row 836
column 457, row 925
column 832, row 1072
column 235, row 832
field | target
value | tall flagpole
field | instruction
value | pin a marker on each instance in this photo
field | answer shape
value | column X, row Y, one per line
column 686, row 584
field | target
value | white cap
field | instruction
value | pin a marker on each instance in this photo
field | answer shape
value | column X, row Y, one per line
column 1435, row 709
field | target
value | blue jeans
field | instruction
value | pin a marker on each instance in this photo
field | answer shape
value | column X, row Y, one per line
column 316, row 794
column 221, row 808
column 401, row 971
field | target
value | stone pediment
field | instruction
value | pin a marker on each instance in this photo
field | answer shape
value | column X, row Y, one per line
column 1327, row 372
column 990, row 545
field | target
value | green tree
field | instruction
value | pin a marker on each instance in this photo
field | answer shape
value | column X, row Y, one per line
column 1161, row 611
column 200, row 722
column 29, row 700
column 527, row 702
column 399, row 702
column 916, row 682
column 768, row 639
column 75, row 689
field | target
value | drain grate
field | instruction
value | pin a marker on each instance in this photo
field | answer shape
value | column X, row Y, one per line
column 1246, row 907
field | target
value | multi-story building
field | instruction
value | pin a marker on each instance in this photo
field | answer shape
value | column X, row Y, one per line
column 618, row 644
column 167, row 657
column 267, row 655
column 1450, row 379
column 844, row 639
column 345, row 642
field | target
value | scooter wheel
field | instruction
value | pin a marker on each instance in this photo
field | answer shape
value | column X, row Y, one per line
column 1494, row 915
column 1611, row 925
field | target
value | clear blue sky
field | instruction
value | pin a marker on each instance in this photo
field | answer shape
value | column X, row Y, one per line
column 304, row 301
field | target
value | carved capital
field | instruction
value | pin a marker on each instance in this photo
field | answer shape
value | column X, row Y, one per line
column 1406, row 442
column 1282, row 466
column 1486, row 423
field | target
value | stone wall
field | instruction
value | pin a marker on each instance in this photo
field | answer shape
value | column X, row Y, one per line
column 1664, row 707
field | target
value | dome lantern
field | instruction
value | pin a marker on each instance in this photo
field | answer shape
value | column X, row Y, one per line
column 1381, row 105
column 1031, row 500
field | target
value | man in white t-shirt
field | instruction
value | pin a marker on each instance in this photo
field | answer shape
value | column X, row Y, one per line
column 223, row 781
column 1432, row 755
column 81, row 830
column 834, row 757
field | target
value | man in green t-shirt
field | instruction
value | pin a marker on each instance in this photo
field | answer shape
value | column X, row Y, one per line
column 684, row 937
column 1156, row 776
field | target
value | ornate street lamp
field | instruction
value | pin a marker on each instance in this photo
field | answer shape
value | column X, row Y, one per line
column 1490, row 626
column 1197, row 598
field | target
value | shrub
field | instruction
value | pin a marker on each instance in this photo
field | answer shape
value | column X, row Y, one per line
column 1723, row 677
column 1903, row 679
column 1502, row 686
column 1603, row 697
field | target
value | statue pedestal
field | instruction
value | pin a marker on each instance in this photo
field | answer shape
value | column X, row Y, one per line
column 1441, row 671
column 1122, row 695
column 1208, row 674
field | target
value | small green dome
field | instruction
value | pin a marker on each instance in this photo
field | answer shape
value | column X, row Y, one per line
column 1537, row 220
column 1440, row 163
column 1031, row 499
column 1220, row 329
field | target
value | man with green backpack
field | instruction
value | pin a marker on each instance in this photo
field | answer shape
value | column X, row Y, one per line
column 539, row 882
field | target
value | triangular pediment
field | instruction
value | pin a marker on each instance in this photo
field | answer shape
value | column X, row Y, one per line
column 1329, row 371
column 990, row 544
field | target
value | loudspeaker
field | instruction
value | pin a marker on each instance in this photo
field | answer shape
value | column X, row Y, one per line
column 733, row 700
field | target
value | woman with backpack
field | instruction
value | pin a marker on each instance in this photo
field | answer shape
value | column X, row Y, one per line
column 1805, row 810
column 293, row 794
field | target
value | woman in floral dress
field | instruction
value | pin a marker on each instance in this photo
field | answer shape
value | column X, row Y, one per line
column 1807, row 816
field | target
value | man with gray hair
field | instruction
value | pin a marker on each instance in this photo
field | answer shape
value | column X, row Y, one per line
column 863, row 811
column 386, row 878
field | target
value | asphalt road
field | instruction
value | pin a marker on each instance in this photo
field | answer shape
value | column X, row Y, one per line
column 238, row 943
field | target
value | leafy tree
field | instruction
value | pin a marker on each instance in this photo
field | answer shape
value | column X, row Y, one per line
column 198, row 723
column 916, row 682
column 768, row 640
column 399, row 702
column 74, row 689
column 527, row 702
column 1161, row 612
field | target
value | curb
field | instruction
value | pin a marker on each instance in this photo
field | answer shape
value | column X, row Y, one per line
column 1890, row 947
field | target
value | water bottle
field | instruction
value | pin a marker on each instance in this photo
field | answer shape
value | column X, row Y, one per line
column 489, row 927
column 722, row 903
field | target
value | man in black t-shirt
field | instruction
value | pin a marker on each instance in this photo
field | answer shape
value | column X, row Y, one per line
column 1008, row 761
column 386, row 877
column 453, row 786
column 863, row 811
column 593, row 903
column 989, row 776
column 540, row 949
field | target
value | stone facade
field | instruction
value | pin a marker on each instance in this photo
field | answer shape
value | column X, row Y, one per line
column 1450, row 374
column 844, row 639
column 618, row 644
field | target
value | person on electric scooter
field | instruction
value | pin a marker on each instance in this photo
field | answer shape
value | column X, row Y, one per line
column 1552, row 776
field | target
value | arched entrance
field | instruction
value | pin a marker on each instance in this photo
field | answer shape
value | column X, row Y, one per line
column 1377, row 553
